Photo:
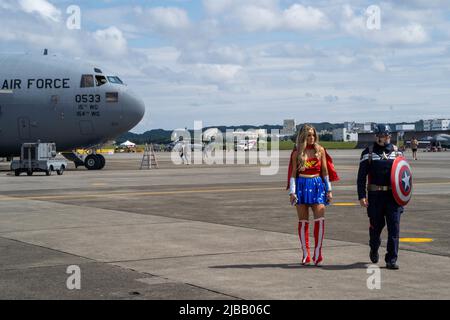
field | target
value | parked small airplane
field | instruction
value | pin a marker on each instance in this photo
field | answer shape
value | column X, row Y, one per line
column 442, row 140
column 245, row 145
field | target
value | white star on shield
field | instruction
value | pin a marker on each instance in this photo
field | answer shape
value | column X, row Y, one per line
column 406, row 180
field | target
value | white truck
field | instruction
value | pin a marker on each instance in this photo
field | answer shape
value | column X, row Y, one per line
column 38, row 157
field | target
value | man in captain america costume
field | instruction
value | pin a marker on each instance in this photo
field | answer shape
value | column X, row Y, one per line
column 376, row 165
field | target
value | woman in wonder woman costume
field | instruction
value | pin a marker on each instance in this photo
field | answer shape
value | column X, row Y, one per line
column 311, row 171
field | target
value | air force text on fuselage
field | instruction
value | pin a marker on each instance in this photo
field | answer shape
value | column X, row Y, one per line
column 23, row 84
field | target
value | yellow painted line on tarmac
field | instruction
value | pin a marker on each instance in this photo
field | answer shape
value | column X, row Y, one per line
column 345, row 204
column 416, row 240
column 150, row 193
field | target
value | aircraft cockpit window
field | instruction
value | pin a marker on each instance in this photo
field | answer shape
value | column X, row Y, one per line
column 100, row 80
column 115, row 80
column 87, row 81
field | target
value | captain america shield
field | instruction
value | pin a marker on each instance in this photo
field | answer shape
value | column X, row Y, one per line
column 401, row 181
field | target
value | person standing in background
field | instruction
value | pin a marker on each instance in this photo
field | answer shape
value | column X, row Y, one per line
column 414, row 147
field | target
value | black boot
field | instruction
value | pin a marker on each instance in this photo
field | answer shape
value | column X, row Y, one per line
column 392, row 266
column 374, row 256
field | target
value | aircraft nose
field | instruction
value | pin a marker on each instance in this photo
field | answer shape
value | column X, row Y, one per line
column 133, row 109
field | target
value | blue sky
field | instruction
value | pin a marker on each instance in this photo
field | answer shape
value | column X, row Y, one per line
column 229, row 62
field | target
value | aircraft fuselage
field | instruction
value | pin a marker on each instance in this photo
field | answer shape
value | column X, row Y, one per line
column 63, row 101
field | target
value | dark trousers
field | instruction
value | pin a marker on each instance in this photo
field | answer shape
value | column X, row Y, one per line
column 383, row 210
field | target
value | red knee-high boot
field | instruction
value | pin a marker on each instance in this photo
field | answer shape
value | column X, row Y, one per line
column 319, row 231
column 303, row 233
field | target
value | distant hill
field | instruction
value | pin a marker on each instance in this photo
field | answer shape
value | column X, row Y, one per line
column 161, row 136
column 158, row 136
column 325, row 126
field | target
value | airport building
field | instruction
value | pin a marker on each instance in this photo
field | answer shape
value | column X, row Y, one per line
column 324, row 132
column 436, row 124
column 215, row 134
column 358, row 127
column 405, row 127
column 250, row 134
column 289, row 128
column 342, row 134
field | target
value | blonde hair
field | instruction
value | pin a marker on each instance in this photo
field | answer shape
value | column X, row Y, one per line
column 302, row 143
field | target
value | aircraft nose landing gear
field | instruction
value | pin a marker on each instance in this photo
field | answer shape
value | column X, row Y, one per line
column 95, row 162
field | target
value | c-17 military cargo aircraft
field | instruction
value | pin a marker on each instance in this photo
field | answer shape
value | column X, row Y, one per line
column 68, row 102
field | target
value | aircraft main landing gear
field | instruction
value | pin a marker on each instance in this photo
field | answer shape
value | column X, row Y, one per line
column 95, row 162
column 92, row 162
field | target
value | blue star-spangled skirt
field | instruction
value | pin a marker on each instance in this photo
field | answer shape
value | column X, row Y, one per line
column 311, row 191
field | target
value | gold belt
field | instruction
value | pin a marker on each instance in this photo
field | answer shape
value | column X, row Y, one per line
column 373, row 187
column 309, row 175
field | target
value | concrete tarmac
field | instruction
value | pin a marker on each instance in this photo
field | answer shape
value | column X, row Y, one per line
column 209, row 232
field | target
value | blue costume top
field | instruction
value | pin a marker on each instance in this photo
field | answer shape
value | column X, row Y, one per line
column 378, row 169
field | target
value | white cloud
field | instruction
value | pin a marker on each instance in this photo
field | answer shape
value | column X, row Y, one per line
column 379, row 66
column 423, row 3
column 345, row 60
column 167, row 19
column 257, row 18
column 391, row 32
column 111, row 41
column 6, row 5
column 290, row 49
column 214, row 54
column 411, row 34
column 267, row 15
column 216, row 6
column 351, row 23
column 44, row 8
column 123, row 17
column 299, row 18
column 219, row 73
column 221, row 76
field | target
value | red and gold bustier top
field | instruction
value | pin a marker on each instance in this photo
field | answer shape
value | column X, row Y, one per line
column 313, row 166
